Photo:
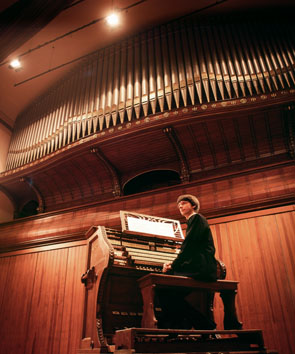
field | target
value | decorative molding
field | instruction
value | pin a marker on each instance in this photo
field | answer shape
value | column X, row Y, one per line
column 246, row 207
column 199, row 112
column 89, row 278
column 6, row 125
column 28, row 181
column 8, row 195
column 117, row 189
column 233, row 212
column 43, row 242
column 184, row 169
column 277, row 209
column 290, row 119
column 206, row 176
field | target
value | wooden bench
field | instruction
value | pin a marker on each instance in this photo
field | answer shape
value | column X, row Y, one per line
column 153, row 281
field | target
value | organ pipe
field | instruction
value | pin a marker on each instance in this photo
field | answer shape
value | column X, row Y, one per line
column 137, row 77
column 170, row 66
column 59, row 137
column 116, row 82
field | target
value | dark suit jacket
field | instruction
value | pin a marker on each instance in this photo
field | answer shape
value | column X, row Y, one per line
column 196, row 258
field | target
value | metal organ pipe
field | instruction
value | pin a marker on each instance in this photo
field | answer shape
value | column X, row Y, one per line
column 64, row 103
column 122, row 95
column 57, row 115
column 109, row 87
column 137, row 77
column 180, row 63
column 144, row 75
column 288, row 60
column 116, row 88
column 91, row 98
column 173, row 65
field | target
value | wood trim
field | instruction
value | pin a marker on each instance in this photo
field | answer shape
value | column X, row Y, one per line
column 289, row 117
column 40, row 198
column 184, row 169
column 6, row 125
column 77, row 239
column 8, row 195
column 257, row 213
column 43, row 248
column 59, row 241
column 117, row 188
column 213, row 213
column 250, row 206
column 176, row 117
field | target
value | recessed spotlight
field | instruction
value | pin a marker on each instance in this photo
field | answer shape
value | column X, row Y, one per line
column 15, row 64
column 113, row 19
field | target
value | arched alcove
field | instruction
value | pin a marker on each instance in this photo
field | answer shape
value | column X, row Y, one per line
column 30, row 208
column 151, row 180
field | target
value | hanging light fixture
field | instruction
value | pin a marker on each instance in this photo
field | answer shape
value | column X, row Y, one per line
column 15, row 64
column 113, row 19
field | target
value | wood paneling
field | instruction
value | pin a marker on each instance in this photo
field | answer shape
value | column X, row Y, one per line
column 41, row 299
column 218, row 196
column 196, row 145
column 259, row 252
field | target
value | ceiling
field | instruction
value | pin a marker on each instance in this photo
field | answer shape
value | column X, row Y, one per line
column 36, row 28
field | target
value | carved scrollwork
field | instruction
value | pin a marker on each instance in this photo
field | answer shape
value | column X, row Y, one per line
column 184, row 170
column 89, row 278
column 117, row 190
column 290, row 115
column 29, row 182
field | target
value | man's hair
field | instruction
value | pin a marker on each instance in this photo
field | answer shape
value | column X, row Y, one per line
column 190, row 198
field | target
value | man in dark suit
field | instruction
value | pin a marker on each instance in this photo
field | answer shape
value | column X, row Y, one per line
column 196, row 259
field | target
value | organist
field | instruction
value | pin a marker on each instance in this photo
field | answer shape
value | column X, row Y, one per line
column 196, row 259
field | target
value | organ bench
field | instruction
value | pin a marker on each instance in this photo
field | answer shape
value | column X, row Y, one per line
column 153, row 281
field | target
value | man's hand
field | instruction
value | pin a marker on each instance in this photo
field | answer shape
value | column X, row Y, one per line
column 166, row 267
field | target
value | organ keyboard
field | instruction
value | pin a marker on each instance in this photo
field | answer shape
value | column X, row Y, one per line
column 143, row 252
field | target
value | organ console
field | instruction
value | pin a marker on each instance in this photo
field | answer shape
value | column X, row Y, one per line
column 116, row 262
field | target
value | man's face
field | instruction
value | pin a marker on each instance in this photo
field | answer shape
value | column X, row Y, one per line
column 185, row 208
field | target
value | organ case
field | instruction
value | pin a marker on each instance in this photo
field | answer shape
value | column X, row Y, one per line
column 116, row 260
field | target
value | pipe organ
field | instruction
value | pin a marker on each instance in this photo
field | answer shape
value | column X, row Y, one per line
column 175, row 65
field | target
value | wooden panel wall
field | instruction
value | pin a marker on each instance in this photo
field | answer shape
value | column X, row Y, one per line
column 41, row 300
column 220, row 196
column 259, row 251
column 41, row 295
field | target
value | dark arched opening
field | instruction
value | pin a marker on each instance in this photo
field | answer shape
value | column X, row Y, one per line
column 29, row 209
column 151, row 180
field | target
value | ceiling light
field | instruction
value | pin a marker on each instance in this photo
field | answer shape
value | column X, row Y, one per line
column 15, row 64
column 113, row 19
